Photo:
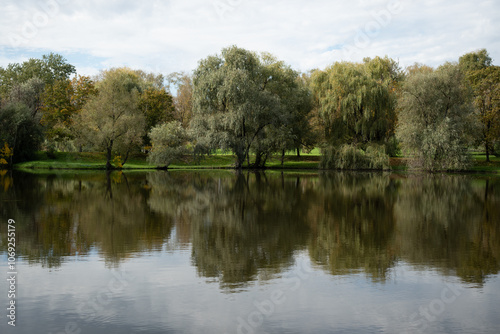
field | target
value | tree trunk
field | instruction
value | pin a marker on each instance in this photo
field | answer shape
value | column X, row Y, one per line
column 126, row 158
column 265, row 160
column 108, row 185
column 282, row 158
column 487, row 152
column 298, row 152
column 108, row 157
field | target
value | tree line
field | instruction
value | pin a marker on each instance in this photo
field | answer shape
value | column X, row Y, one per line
column 256, row 106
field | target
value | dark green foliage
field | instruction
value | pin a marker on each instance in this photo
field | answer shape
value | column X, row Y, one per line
column 20, row 131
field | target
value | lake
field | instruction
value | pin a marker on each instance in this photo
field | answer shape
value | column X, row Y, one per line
column 222, row 252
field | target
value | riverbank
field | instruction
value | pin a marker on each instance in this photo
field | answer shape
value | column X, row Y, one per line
column 94, row 161
column 85, row 160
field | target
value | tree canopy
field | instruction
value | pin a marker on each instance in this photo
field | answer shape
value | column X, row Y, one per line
column 239, row 99
column 434, row 119
column 256, row 106
column 111, row 120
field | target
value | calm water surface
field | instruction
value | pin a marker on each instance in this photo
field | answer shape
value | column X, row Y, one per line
column 218, row 252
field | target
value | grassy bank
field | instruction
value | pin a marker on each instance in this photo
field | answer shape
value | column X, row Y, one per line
column 75, row 160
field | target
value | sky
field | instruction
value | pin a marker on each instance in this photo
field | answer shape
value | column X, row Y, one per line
column 165, row 36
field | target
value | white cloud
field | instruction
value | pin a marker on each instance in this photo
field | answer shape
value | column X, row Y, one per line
column 169, row 36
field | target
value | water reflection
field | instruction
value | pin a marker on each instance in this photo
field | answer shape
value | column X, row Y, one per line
column 70, row 214
column 451, row 223
column 241, row 228
column 354, row 224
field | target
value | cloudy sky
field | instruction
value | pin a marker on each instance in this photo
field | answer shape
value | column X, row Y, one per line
column 165, row 36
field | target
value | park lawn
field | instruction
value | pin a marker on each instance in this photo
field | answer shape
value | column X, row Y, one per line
column 220, row 160
column 97, row 160
column 480, row 164
column 77, row 160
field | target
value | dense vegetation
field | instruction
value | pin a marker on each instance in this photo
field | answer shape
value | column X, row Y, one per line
column 257, row 108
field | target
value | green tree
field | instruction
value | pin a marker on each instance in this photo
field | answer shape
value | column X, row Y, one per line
column 57, row 110
column 28, row 93
column 474, row 61
column 20, row 131
column 61, row 101
column 238, row 97
column 157, row 106
column 50, row 68
column 169, row 142
column 291, row 130
column 484, row 79
column 356, row 103
column 486, row 87
column 434, row 119
column 112, row 119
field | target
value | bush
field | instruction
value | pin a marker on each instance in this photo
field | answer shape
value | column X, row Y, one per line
column 350, row 157
column 169, row 142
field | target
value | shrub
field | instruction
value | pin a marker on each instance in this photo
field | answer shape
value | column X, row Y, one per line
column 350, row 157
column 169, row 143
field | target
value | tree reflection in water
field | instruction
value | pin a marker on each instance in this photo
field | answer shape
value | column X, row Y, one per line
column 248, row 226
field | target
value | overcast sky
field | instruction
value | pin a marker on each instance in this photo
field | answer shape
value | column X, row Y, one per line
column 165, row 36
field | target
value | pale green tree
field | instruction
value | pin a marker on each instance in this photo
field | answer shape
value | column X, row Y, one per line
column 435, row 118
column 112, row 119
column 169, row 143
column 238, row 96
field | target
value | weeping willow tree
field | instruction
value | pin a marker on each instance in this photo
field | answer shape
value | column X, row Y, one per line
column 436, row 120
column 356, row 105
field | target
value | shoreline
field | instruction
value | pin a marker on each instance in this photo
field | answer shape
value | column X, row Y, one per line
column 96, row 162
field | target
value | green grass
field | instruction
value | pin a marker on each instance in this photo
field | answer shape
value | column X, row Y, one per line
column 481, row 165
column 220, row 160
column 85, row 160
column 76, row 160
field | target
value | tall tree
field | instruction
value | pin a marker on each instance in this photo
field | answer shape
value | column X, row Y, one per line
column 486, row 87
column 157, row 106
column 476, row 60
column 237, row 99
column 19, row 131
column 61, row 101
column 484, row 79
column 50, row 68
column 183, row 100
column 112, row 119
column 291, row 130
column 434, row 118
column 357, row 101
column 356, row 106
